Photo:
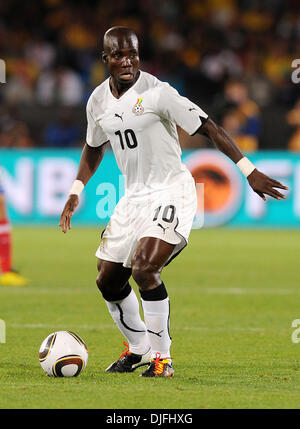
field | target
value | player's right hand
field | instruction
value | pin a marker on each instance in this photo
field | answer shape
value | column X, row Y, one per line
column 67, row 213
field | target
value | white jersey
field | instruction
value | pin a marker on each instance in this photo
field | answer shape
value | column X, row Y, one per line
column 141, row 128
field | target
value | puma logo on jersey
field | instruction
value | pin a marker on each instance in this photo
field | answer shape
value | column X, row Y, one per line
column 192, row 108
column 164, row 229
column 155, row 333
column 119, row 116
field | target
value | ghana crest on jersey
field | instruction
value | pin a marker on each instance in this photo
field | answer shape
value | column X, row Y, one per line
column 138, row 109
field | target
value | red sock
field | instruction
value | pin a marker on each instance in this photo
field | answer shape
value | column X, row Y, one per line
column 5, row 245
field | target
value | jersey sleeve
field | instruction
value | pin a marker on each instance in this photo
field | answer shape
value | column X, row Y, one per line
column 95, row 136
column 175, row 108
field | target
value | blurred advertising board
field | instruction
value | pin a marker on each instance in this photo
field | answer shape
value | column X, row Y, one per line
column 37, row 181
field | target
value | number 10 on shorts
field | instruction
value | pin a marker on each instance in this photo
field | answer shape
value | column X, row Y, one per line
column 168, row 213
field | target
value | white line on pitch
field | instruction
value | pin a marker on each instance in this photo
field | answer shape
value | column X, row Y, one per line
column 249, row 291
column 101, row 327
column 206, row 290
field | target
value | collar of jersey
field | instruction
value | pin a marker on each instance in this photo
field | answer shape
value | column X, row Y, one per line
column 126, row 92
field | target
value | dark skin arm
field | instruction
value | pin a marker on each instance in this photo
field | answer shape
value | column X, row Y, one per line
column 89, row 162
column 259, row 182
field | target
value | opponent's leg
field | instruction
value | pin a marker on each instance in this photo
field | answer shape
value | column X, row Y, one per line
column 123, row 306
column 148, row 260
column 5, row 238
column 9, row 277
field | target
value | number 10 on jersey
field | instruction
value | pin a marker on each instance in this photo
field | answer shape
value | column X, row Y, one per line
column 129, row 137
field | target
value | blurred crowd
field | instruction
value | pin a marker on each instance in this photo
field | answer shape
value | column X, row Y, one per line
column 232, row 57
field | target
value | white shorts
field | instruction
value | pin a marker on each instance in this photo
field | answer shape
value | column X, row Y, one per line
column 166, row 214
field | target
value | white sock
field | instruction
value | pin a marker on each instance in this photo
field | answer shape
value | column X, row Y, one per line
column 126, row 314
column 157, row 318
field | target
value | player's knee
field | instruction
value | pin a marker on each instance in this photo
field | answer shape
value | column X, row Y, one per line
column 110, row 289
column 101, row 281
column 144, row 273
column 104, row 283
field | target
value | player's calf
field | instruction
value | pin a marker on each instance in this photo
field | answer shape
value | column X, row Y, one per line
column 123, row 306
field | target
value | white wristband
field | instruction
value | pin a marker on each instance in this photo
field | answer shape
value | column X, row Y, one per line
column 76, row 188
column 245, row 166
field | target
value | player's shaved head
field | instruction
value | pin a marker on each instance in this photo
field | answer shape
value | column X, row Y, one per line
column 117, row 37
column 121, row 55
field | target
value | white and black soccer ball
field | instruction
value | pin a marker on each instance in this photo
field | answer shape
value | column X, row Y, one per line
column 63, row 354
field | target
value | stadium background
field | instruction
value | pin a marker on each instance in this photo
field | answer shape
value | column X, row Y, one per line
column 233, row 58
column 234, row 292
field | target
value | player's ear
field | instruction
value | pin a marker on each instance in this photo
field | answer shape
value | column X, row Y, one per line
column 104, row 57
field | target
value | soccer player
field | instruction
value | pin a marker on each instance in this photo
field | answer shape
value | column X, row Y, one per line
column 138, row 114
column 9, row 277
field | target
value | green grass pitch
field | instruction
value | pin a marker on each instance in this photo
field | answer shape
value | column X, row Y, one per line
column 234, row 295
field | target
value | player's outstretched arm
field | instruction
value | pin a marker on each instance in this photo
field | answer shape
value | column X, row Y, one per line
column 89, row 162
column 259, row 182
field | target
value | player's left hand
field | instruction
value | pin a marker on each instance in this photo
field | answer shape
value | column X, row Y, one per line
column 262, row 184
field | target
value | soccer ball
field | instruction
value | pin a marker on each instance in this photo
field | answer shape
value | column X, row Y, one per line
column 63, row 354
